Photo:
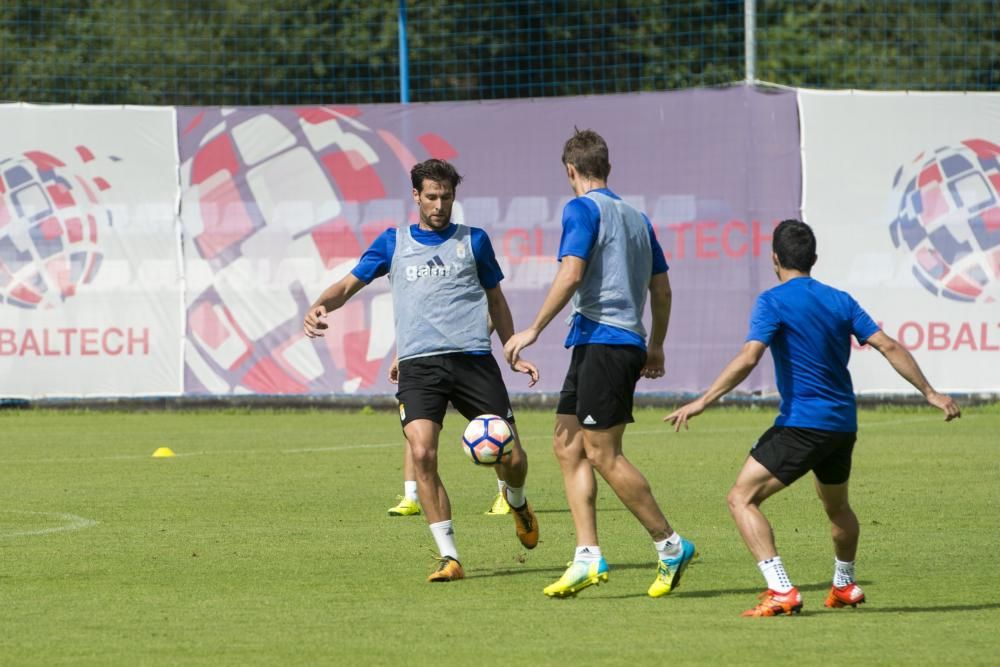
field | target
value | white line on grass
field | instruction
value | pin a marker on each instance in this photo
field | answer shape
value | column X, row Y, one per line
column 133, row 457
column 71, row 522
column 666, row 430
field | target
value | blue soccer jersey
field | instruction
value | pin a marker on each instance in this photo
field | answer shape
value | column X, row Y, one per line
column 808, row 326
column 377, row 259
column 580, row 225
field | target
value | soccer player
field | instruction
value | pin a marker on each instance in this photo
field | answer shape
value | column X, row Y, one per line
column 808, row 326
column 445, row 281
column 609, row 259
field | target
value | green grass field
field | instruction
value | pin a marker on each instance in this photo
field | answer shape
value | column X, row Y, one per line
column 265, row 541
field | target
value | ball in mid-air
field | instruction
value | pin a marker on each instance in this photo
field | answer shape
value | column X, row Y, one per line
column 488, row 439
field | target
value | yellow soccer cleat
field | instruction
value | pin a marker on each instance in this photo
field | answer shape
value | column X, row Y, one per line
column 578, row 576
column 406, row 507
column 448, row 569
column 668, row 572
column 499, row 505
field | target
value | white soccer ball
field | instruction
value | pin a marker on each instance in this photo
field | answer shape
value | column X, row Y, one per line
column 488, row 439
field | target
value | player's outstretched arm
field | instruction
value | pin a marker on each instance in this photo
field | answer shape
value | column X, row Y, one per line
column 567, row 279
column 660, row 298
column 500, row 320
column 731, row 376
column 903, row 363
column 332, row 298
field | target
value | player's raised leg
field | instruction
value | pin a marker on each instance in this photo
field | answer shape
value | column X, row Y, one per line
column 479, row 389
column 514, row 471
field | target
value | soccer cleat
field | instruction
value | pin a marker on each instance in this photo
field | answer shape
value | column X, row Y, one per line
column 526, row 525
column 850, row 595
column 668, row 572
column 448, row 569
column 578, row 576
column 500, row 505
column 776, row 604
column 406, row 507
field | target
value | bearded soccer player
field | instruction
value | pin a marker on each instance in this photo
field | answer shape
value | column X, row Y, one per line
column 808, row 326
column 445, row 282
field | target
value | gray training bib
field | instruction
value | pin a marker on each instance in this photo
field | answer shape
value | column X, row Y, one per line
column 616, row 280
column 439, row 304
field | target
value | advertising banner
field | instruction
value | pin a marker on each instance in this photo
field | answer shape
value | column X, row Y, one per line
column 90, row 271
column 903, row 191
column 277, row 203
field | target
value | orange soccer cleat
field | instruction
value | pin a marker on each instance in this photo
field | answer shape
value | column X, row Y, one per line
column 850, row 595
column 773, row 603
column 526, row 525
column 448, row 569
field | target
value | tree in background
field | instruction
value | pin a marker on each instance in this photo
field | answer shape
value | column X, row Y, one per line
column 232, row 52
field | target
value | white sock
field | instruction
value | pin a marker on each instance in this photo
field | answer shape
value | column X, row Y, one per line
column 410, row 489
column 515, row 496
column 774, row 572
column 500, row 484
column 668, row 548
column 843, row 573
column 587, row 554
column 444, row 535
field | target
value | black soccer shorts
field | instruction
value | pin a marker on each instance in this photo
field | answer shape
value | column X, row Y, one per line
column 789, row 452
column 471, row 382
column 600, row 384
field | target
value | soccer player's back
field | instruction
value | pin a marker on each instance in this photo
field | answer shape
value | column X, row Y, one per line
column 609, row 260
column 808, row 326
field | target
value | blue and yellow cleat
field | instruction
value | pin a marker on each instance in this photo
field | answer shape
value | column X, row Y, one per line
column 406, row 507
column 668, row 572
column 578, row 576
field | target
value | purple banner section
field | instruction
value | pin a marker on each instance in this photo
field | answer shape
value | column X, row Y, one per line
column 279, row 202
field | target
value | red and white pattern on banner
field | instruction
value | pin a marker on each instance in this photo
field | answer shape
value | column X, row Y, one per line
column 276, row 205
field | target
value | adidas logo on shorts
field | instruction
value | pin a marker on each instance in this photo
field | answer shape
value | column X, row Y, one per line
column 589, row 421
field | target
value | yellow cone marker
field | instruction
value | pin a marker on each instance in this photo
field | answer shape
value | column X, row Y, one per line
column 163, row 452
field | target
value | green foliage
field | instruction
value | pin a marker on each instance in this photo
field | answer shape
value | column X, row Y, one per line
column 229, row 52
column 265, row 541
column 879, row 45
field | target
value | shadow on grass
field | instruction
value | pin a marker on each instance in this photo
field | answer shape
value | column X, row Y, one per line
column 868, row 609
column 476, row 574
column 473, row 573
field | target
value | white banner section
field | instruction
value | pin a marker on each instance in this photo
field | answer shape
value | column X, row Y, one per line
column 903, row 192
column 91, row 296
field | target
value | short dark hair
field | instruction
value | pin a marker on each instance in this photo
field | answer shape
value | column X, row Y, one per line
column 588, row 152
column 795, row 245
column 438, row 171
